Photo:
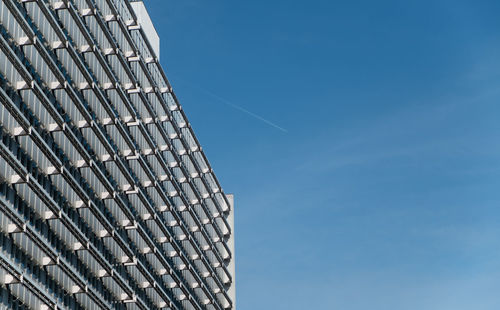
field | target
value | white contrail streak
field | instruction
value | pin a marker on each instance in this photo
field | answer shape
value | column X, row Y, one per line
column 237, row 107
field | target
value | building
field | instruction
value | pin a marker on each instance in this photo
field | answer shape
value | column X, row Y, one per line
column 107, row 200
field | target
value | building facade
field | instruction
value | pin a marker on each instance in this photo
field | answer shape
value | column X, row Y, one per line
column 107, row 200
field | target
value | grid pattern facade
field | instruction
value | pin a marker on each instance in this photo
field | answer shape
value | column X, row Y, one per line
column 107, row 200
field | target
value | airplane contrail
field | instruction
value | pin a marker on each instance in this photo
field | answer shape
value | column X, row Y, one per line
column 241, row 109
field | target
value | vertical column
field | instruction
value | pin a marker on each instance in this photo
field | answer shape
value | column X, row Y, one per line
column 230, row 243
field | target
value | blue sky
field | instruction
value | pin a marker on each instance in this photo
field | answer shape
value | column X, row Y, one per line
column 383, row 190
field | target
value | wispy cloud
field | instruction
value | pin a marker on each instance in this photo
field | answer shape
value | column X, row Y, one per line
column 409, row 131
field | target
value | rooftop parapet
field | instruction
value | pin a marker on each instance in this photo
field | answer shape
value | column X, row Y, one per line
column 147, row 25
